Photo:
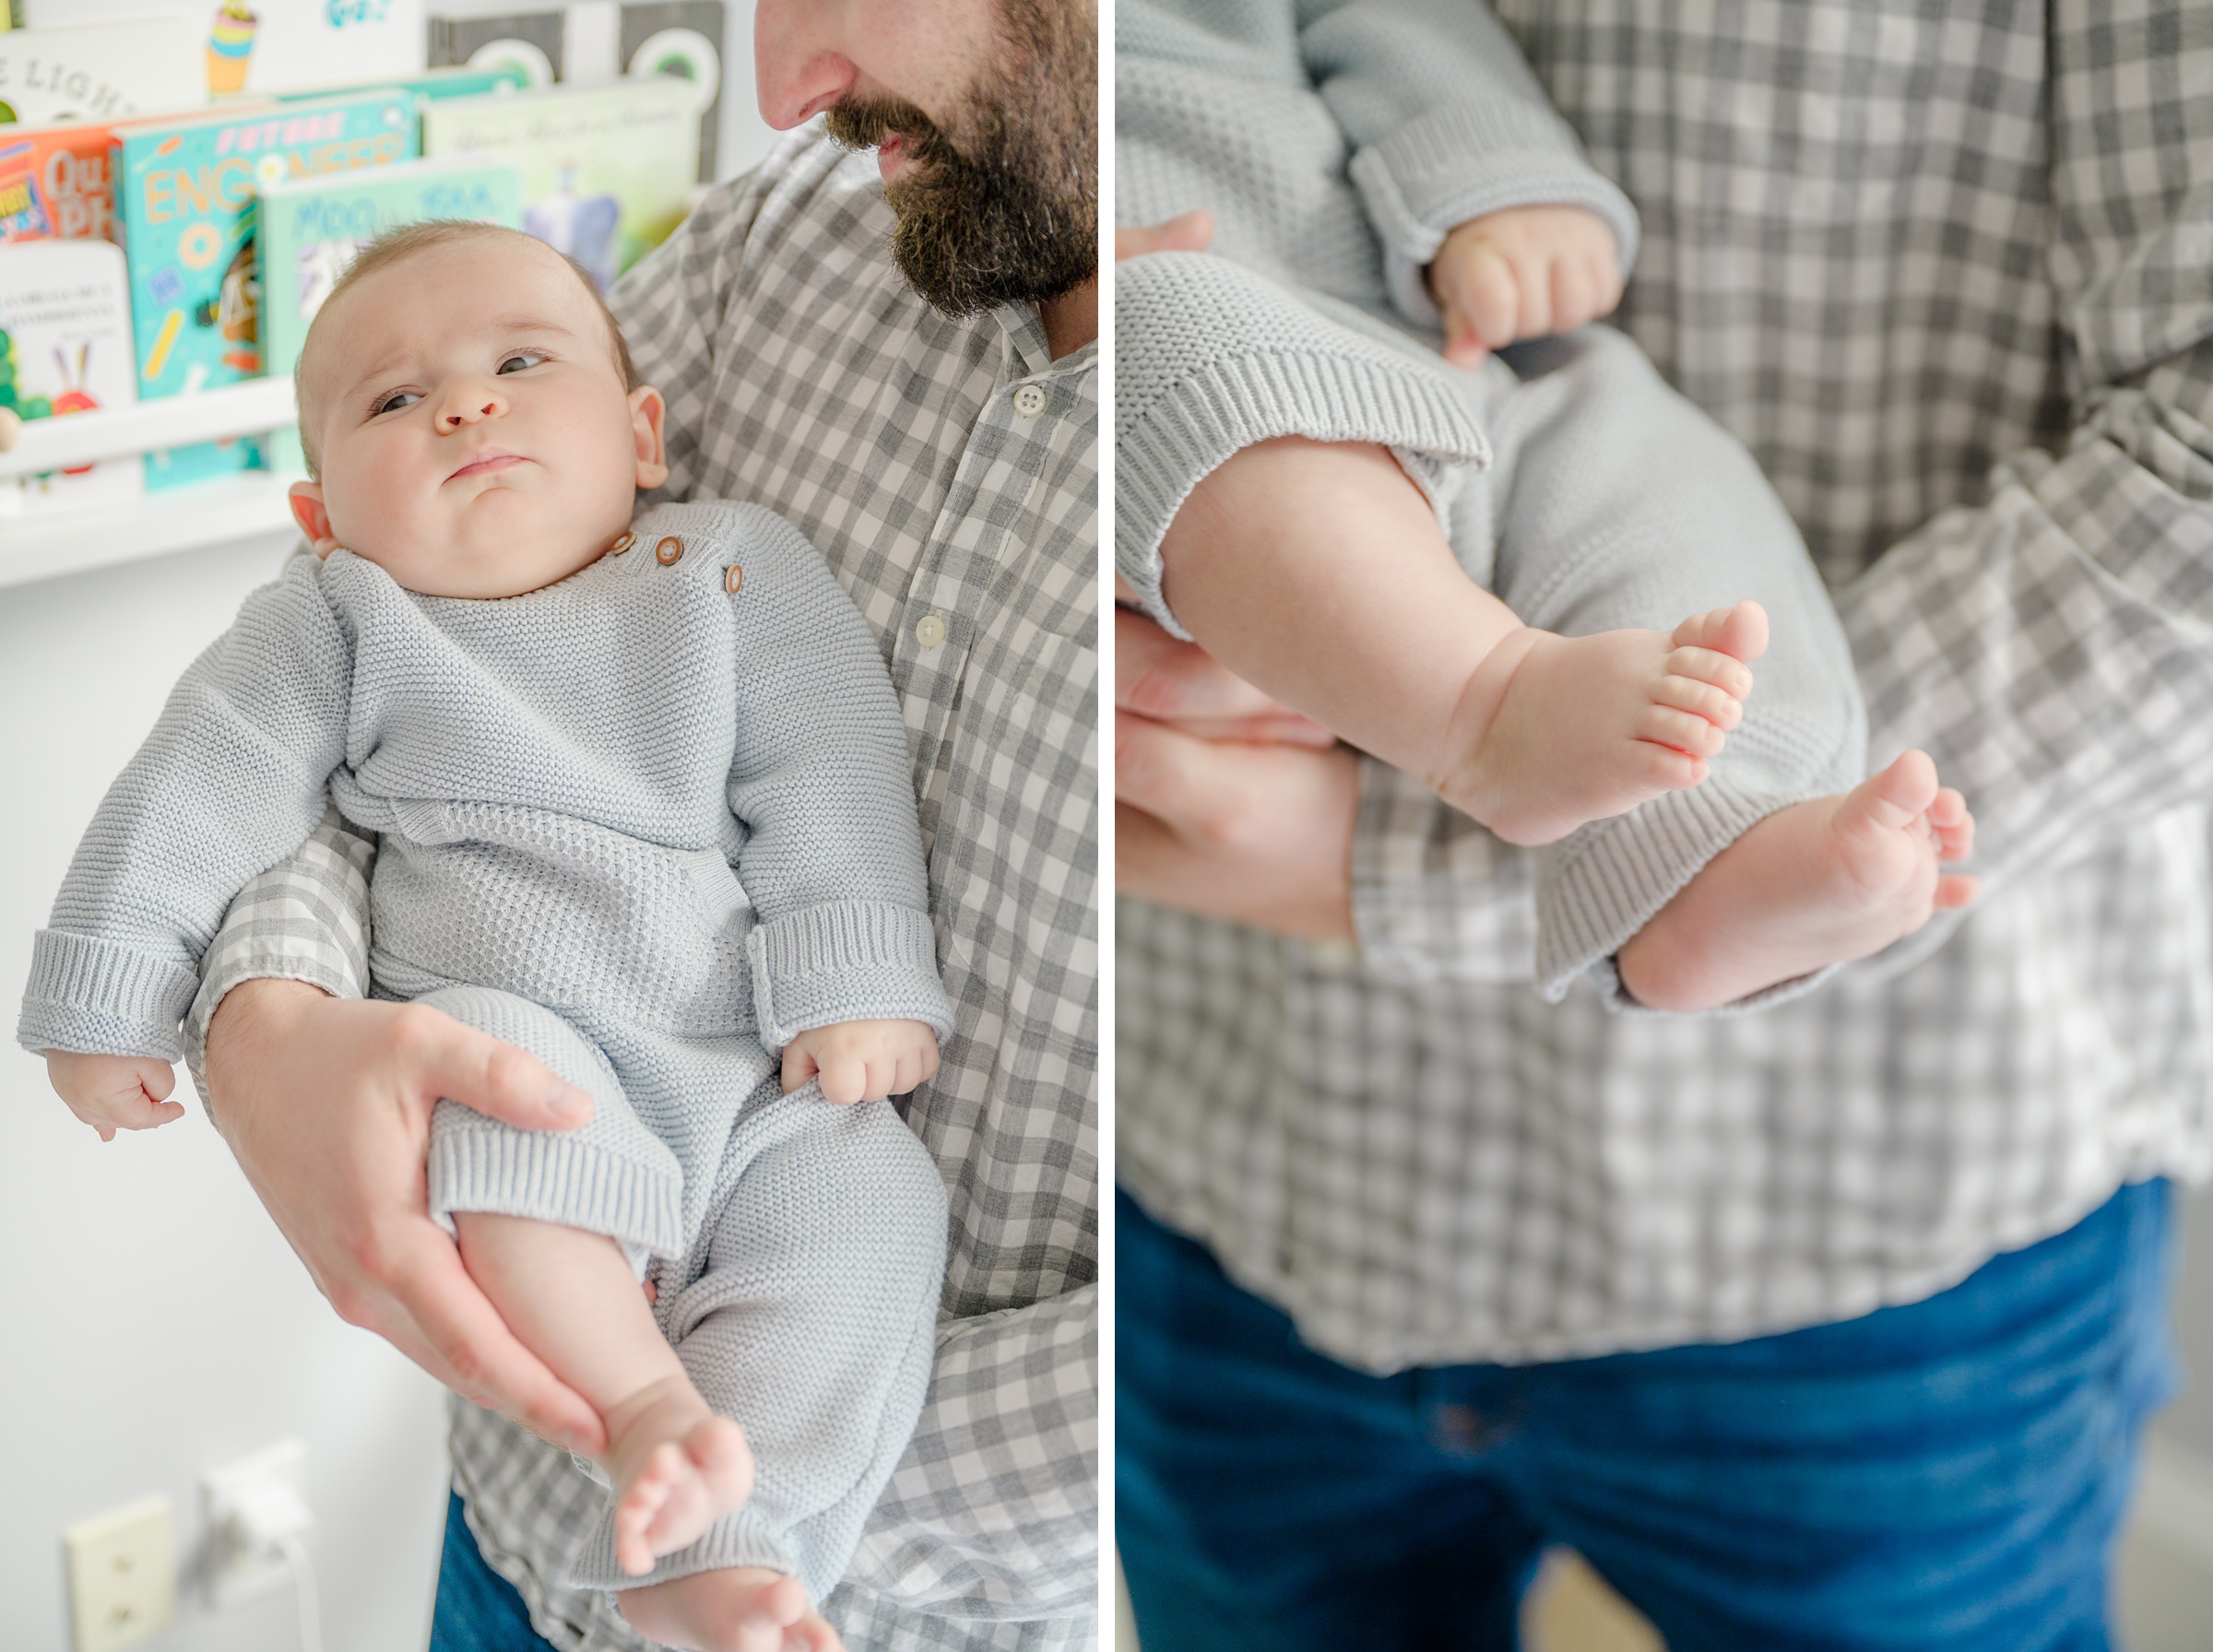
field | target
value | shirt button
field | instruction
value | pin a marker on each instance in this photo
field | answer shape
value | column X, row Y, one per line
column 667, row 550
column 929, row 630
column 1029, row 401
column 621, row 545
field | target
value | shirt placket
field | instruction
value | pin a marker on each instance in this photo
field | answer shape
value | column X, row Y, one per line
column 939, row 621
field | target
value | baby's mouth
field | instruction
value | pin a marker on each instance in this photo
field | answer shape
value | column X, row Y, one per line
column 492, row 459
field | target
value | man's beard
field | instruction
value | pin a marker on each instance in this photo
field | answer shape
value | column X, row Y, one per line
column 1011, row 214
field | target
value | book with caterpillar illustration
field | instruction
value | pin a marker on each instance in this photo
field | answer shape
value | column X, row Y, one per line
column 186, row 193
column 311, row 229
column 65, row 347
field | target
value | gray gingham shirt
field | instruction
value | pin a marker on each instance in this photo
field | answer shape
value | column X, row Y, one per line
column 948, row 471
column 1947, row 272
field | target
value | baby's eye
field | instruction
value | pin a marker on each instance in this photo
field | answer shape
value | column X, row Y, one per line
column 397, row 398
column 518, row 359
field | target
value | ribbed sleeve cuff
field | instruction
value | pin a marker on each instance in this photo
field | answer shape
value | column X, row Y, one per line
column 743, row 1539
column 1233, row 402
column 1442, row 169
column 550, row 1177
column 1602, row 885
column 97, row 997
column 844, row 961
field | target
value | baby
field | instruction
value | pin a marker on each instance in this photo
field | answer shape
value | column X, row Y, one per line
column 1338, row 580
column 647, row 813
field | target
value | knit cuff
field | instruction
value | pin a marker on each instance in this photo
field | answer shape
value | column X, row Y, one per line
column 98, row 997
column 1230, row 403
column 1601, row 885
column 844, row 961
column 548, row 1175
column 1445, row 167
column 742, row 1539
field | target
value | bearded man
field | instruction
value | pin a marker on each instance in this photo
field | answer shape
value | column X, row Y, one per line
column 929, row 419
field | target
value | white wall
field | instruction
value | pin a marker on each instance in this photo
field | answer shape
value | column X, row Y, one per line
column 155, row 1324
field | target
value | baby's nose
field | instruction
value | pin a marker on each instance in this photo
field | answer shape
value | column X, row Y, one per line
column 454, row 420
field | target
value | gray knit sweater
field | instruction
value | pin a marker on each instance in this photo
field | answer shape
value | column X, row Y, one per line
column 1336, row 142
column 566, row 781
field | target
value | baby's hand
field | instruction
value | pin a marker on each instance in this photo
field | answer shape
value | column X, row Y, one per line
column 114, row 1092
column 1523, row 273
column 861, row 1061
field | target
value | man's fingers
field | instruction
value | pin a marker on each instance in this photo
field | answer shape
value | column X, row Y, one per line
column 472, row 1350
column 1187, row 233
column 497, row 1080
column 1191, row 787
column 1171, row 682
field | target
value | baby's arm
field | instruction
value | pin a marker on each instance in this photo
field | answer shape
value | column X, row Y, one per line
column 232, row 778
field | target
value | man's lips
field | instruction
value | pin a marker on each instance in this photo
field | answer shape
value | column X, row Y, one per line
column 890, row 153
column 485, row 463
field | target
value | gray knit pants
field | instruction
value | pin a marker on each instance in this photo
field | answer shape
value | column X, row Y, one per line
column 797, row 1247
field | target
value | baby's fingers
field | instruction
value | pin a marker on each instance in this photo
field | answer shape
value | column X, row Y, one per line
column 1482, row 303
column 799, row 1066
column 845, row 1078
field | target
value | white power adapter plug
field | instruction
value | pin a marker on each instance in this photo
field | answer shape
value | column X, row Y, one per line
column 258, row 1519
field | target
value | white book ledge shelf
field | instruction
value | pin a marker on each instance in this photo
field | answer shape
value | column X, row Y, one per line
column 242, row 506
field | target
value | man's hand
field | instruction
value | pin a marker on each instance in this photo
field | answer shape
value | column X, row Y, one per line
column 1523, row 273
column 114, row 1092
column 326, row 1104
column 861, row 1061
column 1226, row 805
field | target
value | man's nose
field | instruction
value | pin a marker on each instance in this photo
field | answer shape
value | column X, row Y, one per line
column 469, row 404
column 797, row 71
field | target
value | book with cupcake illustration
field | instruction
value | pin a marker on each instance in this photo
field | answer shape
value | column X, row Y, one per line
column 186, row 197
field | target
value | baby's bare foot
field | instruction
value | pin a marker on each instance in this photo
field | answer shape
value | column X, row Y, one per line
column 737, row 1609
column 678, row 1468
column 1821, row 882
column 1553, row 732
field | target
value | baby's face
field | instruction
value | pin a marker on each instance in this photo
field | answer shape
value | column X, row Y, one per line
column 472, row 430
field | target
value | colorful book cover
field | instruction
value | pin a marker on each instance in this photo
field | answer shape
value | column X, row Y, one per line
column 65, row 347
column 607, row 170
column 186, row 197
column 55, row 184
column 311, row 229
column 62, row 77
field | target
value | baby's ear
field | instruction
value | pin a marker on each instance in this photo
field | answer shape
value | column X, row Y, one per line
column 647, row 412
column 313, row 520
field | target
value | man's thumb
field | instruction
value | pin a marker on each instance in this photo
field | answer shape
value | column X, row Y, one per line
column 1189, row 232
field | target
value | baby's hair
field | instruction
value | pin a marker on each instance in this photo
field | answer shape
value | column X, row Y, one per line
column 396, row 247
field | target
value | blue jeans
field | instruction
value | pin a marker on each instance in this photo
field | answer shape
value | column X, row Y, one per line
column 477, row 1609
column 1945, row 1475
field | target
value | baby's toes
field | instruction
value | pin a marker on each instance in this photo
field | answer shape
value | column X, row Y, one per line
column 1740, row 632
column 1709, row 665
column 725, row 1463
column 1685, row 731
column 1718, row 706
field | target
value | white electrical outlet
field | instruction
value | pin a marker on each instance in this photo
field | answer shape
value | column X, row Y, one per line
column 249, row 1504
column 122, row 1577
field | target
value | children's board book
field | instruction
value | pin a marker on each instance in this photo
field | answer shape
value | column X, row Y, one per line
column 430, row 83
column 607, row 170
column 61, row 76
column 185, row 194
column 55, row 184
column 65, row 347
column 311, row 229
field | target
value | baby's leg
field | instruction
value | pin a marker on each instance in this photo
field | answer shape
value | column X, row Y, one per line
column 551, row 1226
column 1818, row 883
column 1319, row 573
column 572, row 1299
